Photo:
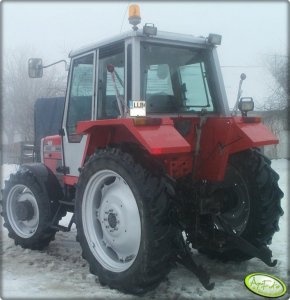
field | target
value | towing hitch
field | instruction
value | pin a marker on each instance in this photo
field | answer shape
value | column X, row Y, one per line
column 186, row 259
column 263, row 253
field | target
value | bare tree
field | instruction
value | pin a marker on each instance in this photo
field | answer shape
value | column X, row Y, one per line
column 278, row 66
column 20, row 92
column 276, row 107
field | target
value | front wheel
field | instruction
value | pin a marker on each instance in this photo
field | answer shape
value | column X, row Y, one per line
column 28, row 211
column 122, row 217
column 251, row 203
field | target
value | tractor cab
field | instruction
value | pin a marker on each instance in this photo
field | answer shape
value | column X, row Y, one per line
column 144, row 73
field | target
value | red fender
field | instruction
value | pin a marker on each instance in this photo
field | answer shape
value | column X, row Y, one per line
column 160, row 139
column 222, row 137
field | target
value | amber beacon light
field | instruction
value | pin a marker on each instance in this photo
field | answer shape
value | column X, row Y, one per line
column 134, row 15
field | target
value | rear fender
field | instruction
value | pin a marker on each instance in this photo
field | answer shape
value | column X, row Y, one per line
column 161, row 139
column 222, row 137
column 250, row 132
column 46, row 179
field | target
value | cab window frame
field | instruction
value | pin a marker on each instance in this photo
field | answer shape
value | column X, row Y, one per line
column 212, row 90
column 104, row 53
column 74, row 137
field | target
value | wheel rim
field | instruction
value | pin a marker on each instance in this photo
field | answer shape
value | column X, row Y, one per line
column 111, row 221
column 236, row 202
column 22, row 211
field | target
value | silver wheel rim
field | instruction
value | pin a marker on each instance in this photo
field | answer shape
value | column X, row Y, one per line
column 111, row 221
column 23, row 228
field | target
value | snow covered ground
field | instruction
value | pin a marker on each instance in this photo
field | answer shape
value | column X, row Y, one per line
column 60, row 272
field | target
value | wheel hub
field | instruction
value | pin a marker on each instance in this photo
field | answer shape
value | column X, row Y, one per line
column 112, row 220
column 24, row 210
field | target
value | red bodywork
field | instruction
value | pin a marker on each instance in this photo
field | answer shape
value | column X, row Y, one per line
column 181, row 153
column 52, row 152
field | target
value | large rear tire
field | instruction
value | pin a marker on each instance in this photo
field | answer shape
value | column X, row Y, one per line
column 28, row 211
column 252, row 202
column 122, row 218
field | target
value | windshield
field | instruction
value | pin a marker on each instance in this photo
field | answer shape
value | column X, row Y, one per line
column 175, row 79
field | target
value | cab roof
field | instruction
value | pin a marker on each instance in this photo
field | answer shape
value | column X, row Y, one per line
column 161, row 35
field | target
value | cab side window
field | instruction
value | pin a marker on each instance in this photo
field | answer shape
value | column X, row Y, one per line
column 196, row 92
column 81, row 94
column 111, row 86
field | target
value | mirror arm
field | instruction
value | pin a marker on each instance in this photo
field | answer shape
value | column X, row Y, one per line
column 57, row 62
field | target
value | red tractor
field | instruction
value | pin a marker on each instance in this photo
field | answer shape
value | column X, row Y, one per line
column 151, row 163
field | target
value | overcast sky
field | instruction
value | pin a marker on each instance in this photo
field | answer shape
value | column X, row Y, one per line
column 252, row 31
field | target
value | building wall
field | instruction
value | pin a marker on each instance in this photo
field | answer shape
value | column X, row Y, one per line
column 282, row 150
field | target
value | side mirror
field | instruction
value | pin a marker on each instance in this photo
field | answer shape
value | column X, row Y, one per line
column 35, row 68
column 246, row 104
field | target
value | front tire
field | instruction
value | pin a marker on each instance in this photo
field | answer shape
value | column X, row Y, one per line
column 122, row 218
column 28, row 211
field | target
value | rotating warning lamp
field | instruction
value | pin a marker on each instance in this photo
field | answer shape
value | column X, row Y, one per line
column 134, row 16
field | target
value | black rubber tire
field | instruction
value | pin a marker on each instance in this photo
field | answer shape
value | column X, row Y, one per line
column 265, row 209
column 153, row 261
column 47, row 209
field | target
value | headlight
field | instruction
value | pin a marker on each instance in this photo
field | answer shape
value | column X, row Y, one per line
column 246, row 104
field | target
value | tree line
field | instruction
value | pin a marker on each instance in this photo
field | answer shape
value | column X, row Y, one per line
column 19, row 93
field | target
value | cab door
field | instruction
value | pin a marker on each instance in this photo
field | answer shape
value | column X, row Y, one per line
column 79, row 106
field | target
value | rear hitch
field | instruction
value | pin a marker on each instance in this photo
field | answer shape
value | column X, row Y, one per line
column 186, row 259
column 263, row 253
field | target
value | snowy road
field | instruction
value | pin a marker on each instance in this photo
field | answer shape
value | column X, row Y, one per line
column 60, row 272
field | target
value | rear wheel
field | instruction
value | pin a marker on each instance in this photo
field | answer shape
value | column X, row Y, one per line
column 27, row 211
column 251, row 202
column 123, row 223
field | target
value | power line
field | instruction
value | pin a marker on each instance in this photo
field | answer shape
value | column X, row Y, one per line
column 242, row 67
column 124, row 16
